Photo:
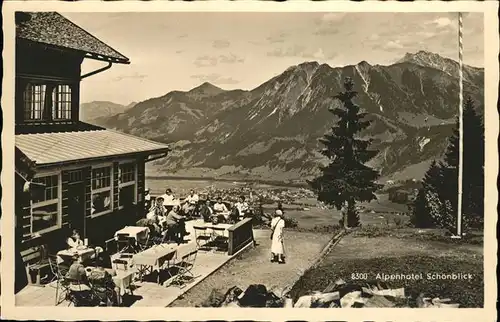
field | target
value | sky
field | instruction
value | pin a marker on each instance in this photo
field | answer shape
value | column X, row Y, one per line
column 181, row 50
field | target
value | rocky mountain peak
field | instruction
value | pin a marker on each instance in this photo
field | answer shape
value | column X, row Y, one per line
column 206, row 89
column 428, row 59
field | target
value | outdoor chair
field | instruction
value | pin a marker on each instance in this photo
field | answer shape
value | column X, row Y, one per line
column 36, row 262
column 111, row 246
column 220, row 241
column 125, row 243
column 47, row 260
column 59, row 272
column 144, row 244
column 120, row 261
column 202, row 237
column 143, row 270
column 80, row 294
column 158, row 239
column 185, row 266
column 104, row 289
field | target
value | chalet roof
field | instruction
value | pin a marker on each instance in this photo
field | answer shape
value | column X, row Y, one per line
column 64, row 147
column 23, row 165
column 52, row 29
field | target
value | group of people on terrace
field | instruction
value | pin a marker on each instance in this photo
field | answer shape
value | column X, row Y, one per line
column 90, row 283
column 167, row 213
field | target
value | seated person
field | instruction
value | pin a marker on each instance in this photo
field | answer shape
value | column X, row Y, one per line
column 168, row 198
column 175, row 225
column 220, row 207
column 77, row 276
column 103, row 285
column 242, row 206
column 157, row 214
column 75, row 241
column 205, row 211
column 190, row 202
column 147, row 200
column 234, row 216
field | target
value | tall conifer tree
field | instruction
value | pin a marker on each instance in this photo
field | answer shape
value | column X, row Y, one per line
column 473, row 166
column 442, row 178
column 346, row 179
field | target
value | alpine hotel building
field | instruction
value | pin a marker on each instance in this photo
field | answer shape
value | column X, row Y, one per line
column 69, row 174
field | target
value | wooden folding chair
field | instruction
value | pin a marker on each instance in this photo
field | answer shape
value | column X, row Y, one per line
column 79, row 294
column 61, row 287
column 144, row 244
column 220, row 241
column 202, row 237
column 125, row 243
column 185, row 266
column 111, row 246
column 158, row 239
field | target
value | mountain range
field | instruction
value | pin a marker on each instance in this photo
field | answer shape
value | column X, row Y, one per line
column 97, row 112
column 272, row 131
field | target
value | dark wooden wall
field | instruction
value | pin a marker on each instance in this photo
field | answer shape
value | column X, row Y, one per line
column 37, row 63
column 98, row 229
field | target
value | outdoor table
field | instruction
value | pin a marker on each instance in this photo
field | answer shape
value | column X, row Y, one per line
column 153, row 258
column 122, row 279
column 226, row 214
column 175, row 202
column 211, row 225
column 67, row 254
column 137, row 232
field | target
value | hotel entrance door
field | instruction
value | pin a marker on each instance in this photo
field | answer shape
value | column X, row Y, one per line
column 76, row 201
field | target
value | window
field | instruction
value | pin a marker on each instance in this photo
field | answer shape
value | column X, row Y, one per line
column 34, row 100
column 45, row 215
column 102, row 194
column 61, row 102
column 127, row 185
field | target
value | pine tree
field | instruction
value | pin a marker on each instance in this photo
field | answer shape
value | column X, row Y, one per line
column 473, row 167
column 346, row 179
column 433, row 181
column 440, row 184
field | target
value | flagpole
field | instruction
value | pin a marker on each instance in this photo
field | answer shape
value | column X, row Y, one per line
column 461, row 126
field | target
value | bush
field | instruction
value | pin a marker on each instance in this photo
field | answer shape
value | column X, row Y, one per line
column 291, row 222
column 398, row 196
column 398, row 221
column 420, row 212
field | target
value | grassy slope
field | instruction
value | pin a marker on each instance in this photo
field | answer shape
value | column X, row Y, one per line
column 254, row 267
column 402, row 252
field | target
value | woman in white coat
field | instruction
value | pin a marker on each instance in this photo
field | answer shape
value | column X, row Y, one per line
column 277, row 241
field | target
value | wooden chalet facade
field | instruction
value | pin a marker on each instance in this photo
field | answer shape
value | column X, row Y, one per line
column 69, row 174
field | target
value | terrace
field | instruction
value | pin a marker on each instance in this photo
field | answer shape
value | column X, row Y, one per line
column 152, row 291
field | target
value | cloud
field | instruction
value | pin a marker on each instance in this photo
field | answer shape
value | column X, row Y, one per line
column 393, row 44
column 302, row 51
column 332, row 18
column 277, row 38
column 291, row 51
column 215, row 79
column 231, row 59
column 207, row 61
column 326, row 31
column 135, row 76
column 329, row 23
column 319, row 54
column 442, row 22
column 221, row 44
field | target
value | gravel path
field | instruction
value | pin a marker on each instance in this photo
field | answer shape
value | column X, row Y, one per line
column 254, row 267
